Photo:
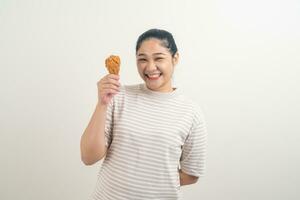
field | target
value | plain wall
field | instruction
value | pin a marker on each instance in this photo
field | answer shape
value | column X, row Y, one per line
column 239, row 60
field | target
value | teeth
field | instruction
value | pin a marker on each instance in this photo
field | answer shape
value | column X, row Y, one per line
column 153, row 75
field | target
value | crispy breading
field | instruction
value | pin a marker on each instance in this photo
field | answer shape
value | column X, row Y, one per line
column 112, row 64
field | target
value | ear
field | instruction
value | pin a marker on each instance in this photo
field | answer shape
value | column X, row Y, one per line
column 175, row 58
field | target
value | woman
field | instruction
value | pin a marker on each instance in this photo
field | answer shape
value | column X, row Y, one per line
column 153, row 138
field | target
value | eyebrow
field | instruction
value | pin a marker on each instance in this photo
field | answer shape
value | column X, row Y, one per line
column 142, row 54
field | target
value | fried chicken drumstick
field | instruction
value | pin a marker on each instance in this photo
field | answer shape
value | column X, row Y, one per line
column 112, row 64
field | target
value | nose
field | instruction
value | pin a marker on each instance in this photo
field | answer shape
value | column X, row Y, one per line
column 151, row 66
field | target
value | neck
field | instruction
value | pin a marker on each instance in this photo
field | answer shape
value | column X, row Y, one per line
column 164, row 89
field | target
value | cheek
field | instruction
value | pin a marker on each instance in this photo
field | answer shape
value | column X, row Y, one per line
column 166, row 68
column 141, row 68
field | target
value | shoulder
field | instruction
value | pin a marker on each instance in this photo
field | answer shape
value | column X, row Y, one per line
column 126, row 90
column 134, row 88
column 194, row 107
column 129, row 89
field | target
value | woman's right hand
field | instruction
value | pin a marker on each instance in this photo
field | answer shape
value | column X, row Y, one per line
column 108, row 86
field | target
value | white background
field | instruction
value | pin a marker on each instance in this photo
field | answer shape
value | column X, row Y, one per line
column 239, row 60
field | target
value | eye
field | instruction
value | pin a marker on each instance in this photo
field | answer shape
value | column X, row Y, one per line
column 159, row 58
column 142, row 60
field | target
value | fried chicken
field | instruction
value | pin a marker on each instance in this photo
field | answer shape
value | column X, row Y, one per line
column 112, row 64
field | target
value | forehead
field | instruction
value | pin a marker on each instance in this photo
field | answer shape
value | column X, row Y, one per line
column 152, row 46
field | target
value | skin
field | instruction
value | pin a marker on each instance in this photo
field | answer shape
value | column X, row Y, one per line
column 186, row 179
column 152, row 57
column 92, row 143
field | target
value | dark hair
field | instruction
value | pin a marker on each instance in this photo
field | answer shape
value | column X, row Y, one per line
column 165, row 36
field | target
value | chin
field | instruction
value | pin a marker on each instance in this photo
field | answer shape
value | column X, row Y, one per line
column 155, row 87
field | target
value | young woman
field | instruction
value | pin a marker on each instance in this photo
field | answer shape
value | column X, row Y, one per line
column 153, row 138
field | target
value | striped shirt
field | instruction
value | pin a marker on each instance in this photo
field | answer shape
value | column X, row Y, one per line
column 150, row 135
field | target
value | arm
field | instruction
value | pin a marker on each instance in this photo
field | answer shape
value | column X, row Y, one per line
column 186, row 179
column 93, row 141
column 92, row 144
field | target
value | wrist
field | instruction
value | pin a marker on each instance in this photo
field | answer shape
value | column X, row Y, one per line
column 101, row 106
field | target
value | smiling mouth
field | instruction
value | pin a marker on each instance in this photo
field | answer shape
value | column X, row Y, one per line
column 153, row 76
